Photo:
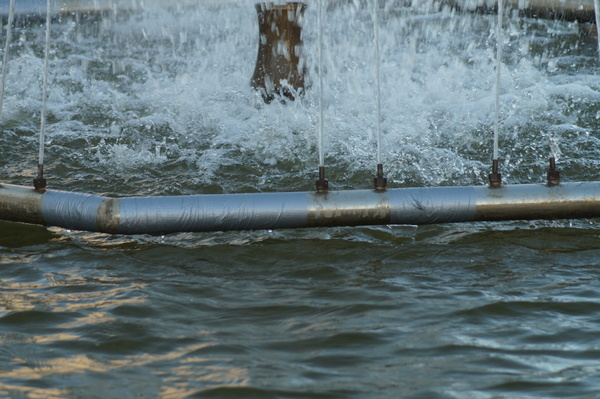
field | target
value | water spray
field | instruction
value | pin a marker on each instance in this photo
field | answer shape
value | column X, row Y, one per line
column 597, row 21
column 495, row 177
column 379, row 181
column 39, row 183
column 322, row 183
column 11, row 16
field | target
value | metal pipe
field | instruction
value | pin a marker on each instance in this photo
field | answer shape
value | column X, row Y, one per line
column 566, row 10
column 256, row 211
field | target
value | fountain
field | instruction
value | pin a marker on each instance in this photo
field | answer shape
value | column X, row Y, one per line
column 294, row 209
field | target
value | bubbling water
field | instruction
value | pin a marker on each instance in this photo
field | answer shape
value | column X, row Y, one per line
column 159, row 102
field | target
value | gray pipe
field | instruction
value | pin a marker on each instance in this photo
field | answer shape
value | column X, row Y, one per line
column 566, row 10
column 220, row 212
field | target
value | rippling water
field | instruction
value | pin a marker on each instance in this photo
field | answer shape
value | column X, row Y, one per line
column 159, row 102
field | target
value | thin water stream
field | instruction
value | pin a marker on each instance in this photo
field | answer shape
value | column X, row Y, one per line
column 499, row 45
column 5, row 57
column 597, row 12
column 321, row 137
column 159, row 102
column 377, row 76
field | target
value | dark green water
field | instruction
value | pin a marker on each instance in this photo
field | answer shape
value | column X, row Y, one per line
column 159, row 103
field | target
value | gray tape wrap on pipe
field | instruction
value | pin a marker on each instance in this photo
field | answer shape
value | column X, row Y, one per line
column 433, row 205
column 160, row 215
column 71, row 210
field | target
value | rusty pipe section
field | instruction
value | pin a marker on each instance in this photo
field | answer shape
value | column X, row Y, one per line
column 21, row 204
column 255, row 211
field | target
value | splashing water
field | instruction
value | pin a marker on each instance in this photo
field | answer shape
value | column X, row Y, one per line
column 45, row 83
column 159, row 102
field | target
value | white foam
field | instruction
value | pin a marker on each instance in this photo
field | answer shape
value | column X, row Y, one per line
column 170, row 88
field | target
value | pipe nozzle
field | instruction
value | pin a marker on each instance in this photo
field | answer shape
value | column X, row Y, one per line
column 379, row 181
column 495, row 177
column 39, row 183
column 322, row 183
column 553, row 174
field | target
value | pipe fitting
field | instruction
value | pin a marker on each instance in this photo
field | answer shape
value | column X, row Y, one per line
column 39, row 183
column 379, row 181
column 553, row 175
column 322, row 183
column 495, row 177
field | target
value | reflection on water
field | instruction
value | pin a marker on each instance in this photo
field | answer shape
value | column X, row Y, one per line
column 481, row 310
column 72, row 318
column 21, row 297
column 209, row 372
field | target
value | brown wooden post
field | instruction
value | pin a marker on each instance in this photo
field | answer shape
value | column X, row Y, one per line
column 279, row 70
